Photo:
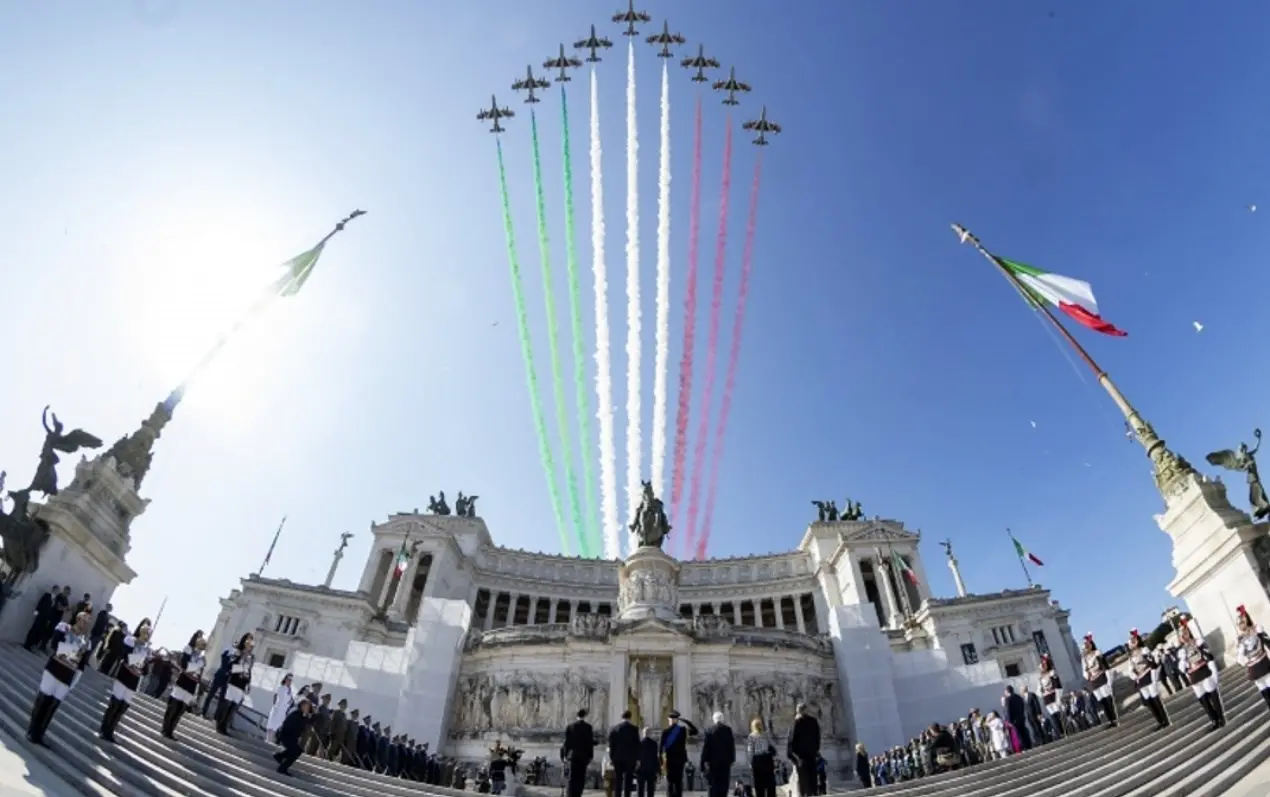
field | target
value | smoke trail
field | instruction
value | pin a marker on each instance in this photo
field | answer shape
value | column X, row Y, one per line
column 690, row 328
column 634, row 352
column 734, row 355
column 712, row 344
column 603, row 360
column 662, row 362
column 553, row 345
column 591, row 537
column 527, row 353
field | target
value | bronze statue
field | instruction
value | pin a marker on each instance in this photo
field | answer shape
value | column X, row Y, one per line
column 832, row 512
column 853, row 511
column 465, row 506
column 24, row 536
column 45, row 479
column 650, row 525
column 822, row 510
column 1246, row 461
column 437, row 504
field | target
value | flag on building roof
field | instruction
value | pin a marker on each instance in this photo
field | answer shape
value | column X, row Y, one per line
column 1024, row 553
column 1072, row 296
column 902, row 567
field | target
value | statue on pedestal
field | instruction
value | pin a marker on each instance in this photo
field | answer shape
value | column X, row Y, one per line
column 45, row 479
column 1246, row 461
column 465, row 505
column 437, row 504
column 826, row 511
column 650, row 525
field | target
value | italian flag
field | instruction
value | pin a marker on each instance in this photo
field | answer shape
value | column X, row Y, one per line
column 902, row 567
column 1074, row 297
column 1024, row 553
column 402, row 559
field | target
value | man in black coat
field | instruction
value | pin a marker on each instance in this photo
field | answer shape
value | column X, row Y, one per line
column 40, row 621
column 718, row 754
column 674, row 752
column 624, row 753
column 289, row 735
column 1016, row 712
column 803, row 749
column 101, row 624
column 57, row 613
column 578, row 749
column 649, row 766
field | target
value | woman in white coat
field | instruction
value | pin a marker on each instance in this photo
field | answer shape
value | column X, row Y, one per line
column 1000, row 735
column 283, row 702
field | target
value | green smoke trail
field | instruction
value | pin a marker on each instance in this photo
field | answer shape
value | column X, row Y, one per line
column 527, row 351
column 594, row 540
column 553, row 348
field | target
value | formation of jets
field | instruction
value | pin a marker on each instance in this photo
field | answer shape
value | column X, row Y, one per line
column 494, row 112
column 563, row 63
column 531, row 84
column 630, row 17
column 666, row 39
column 762, row 125
column 594, row 44
column 731, row 86
column 700, row 62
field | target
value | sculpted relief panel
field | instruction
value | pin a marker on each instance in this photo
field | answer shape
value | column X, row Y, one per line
column 526, row 704
column 773, row 696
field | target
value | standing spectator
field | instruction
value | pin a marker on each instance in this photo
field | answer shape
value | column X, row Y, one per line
column 101, row 624
column 762, row 757
column 863, row 770
column 803, row 749
column 649, row 765
column 289, row 735
column 578, row 750
column 339, row 727
column 718, row 753
column 40, row 620
column 624, row 748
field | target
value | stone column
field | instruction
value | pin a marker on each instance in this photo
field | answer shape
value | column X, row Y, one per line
column 404, row 586
column 798, row 612
column 489, row 615
column 956, row 574
column 617, row 687
column 551, row 611
column 780, row 616
column 889, row 597
column 533, row 610
column 736, row 612
column 511, row 608
column 683, row 685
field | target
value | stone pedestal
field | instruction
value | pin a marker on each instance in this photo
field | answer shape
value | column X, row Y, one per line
column 648, row 586
column 435, row 649
column 1222, row 558
column 88, row 543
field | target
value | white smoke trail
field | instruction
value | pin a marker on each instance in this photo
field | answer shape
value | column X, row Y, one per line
column 603, row 360
column 634, row 352
column 662, row 365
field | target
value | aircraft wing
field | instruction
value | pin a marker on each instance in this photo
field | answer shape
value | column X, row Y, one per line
column 506, row 113
column 520, row 85
column 749, row 125
column 584, row 43
column 573, row 62
column 775, row 128
column 742, row 86
column 483, row 115
column 719, row 85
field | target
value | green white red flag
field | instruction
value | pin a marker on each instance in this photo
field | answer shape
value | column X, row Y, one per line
column 902, row 567
column 1073, row 297
column 1024, row 553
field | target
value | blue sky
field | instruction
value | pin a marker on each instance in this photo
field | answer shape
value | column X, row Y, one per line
column 159, row 156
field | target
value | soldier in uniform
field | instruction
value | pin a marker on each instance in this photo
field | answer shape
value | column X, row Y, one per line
column 674, row 752
column 61, row 673
column 1052, row 694
column 1195, row 661
column 1146, row 674
column 240, row 659
column 185, row 691
column 1254, row 651
column 136, row 652
column 1098, row 674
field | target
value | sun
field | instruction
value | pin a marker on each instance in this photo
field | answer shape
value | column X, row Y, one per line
column 194, row 275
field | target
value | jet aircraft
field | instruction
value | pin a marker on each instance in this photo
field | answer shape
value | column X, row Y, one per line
column 563, row 63
column 495, row 113
column 700, row 63
column 731, row 86
column 630, row 16
column 531, row 83
column 666, row 39
column 594, row 44
column 762, row 125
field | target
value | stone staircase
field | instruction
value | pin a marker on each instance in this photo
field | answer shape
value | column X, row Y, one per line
column 1133, row 760
column 201, row 763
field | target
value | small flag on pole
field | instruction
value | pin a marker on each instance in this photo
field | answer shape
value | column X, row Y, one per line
column 1024, row 553
column 902, row 567
column 403, row 557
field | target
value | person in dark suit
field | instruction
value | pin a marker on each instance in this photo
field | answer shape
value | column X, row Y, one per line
column 674, row 752
column 648, row 766
column 1015, row 710
column 803, row 749
column 101, row 624
column 624, row 748
column 366, row 745
column 578, row 750
column 290, row 733
column 339, row 724
column 718, row 754
column 220, row 681
column 40, row 622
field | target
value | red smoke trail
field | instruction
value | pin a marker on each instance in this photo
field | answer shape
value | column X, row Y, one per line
column 712, row 345
column 690, row 328
column 729, row 383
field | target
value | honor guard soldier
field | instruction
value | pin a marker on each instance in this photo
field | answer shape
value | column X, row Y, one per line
column 1146, row 674
column 1254, row 651
column 185, row 691
column 1098, row 674
column 1195, row 660
column 1052, row 694
column 240, row 660
column 61, row 673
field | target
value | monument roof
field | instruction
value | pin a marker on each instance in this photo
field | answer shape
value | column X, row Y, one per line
column 288, row 585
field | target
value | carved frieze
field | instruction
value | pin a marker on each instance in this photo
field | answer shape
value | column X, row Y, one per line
column 526, row 705
column 773, row 696
column 590, row 626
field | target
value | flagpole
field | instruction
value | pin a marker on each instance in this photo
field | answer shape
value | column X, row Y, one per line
column 1168, row 466
column 257, row 307
column 1026, row 573
column 155, row 626
column 269, row 553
